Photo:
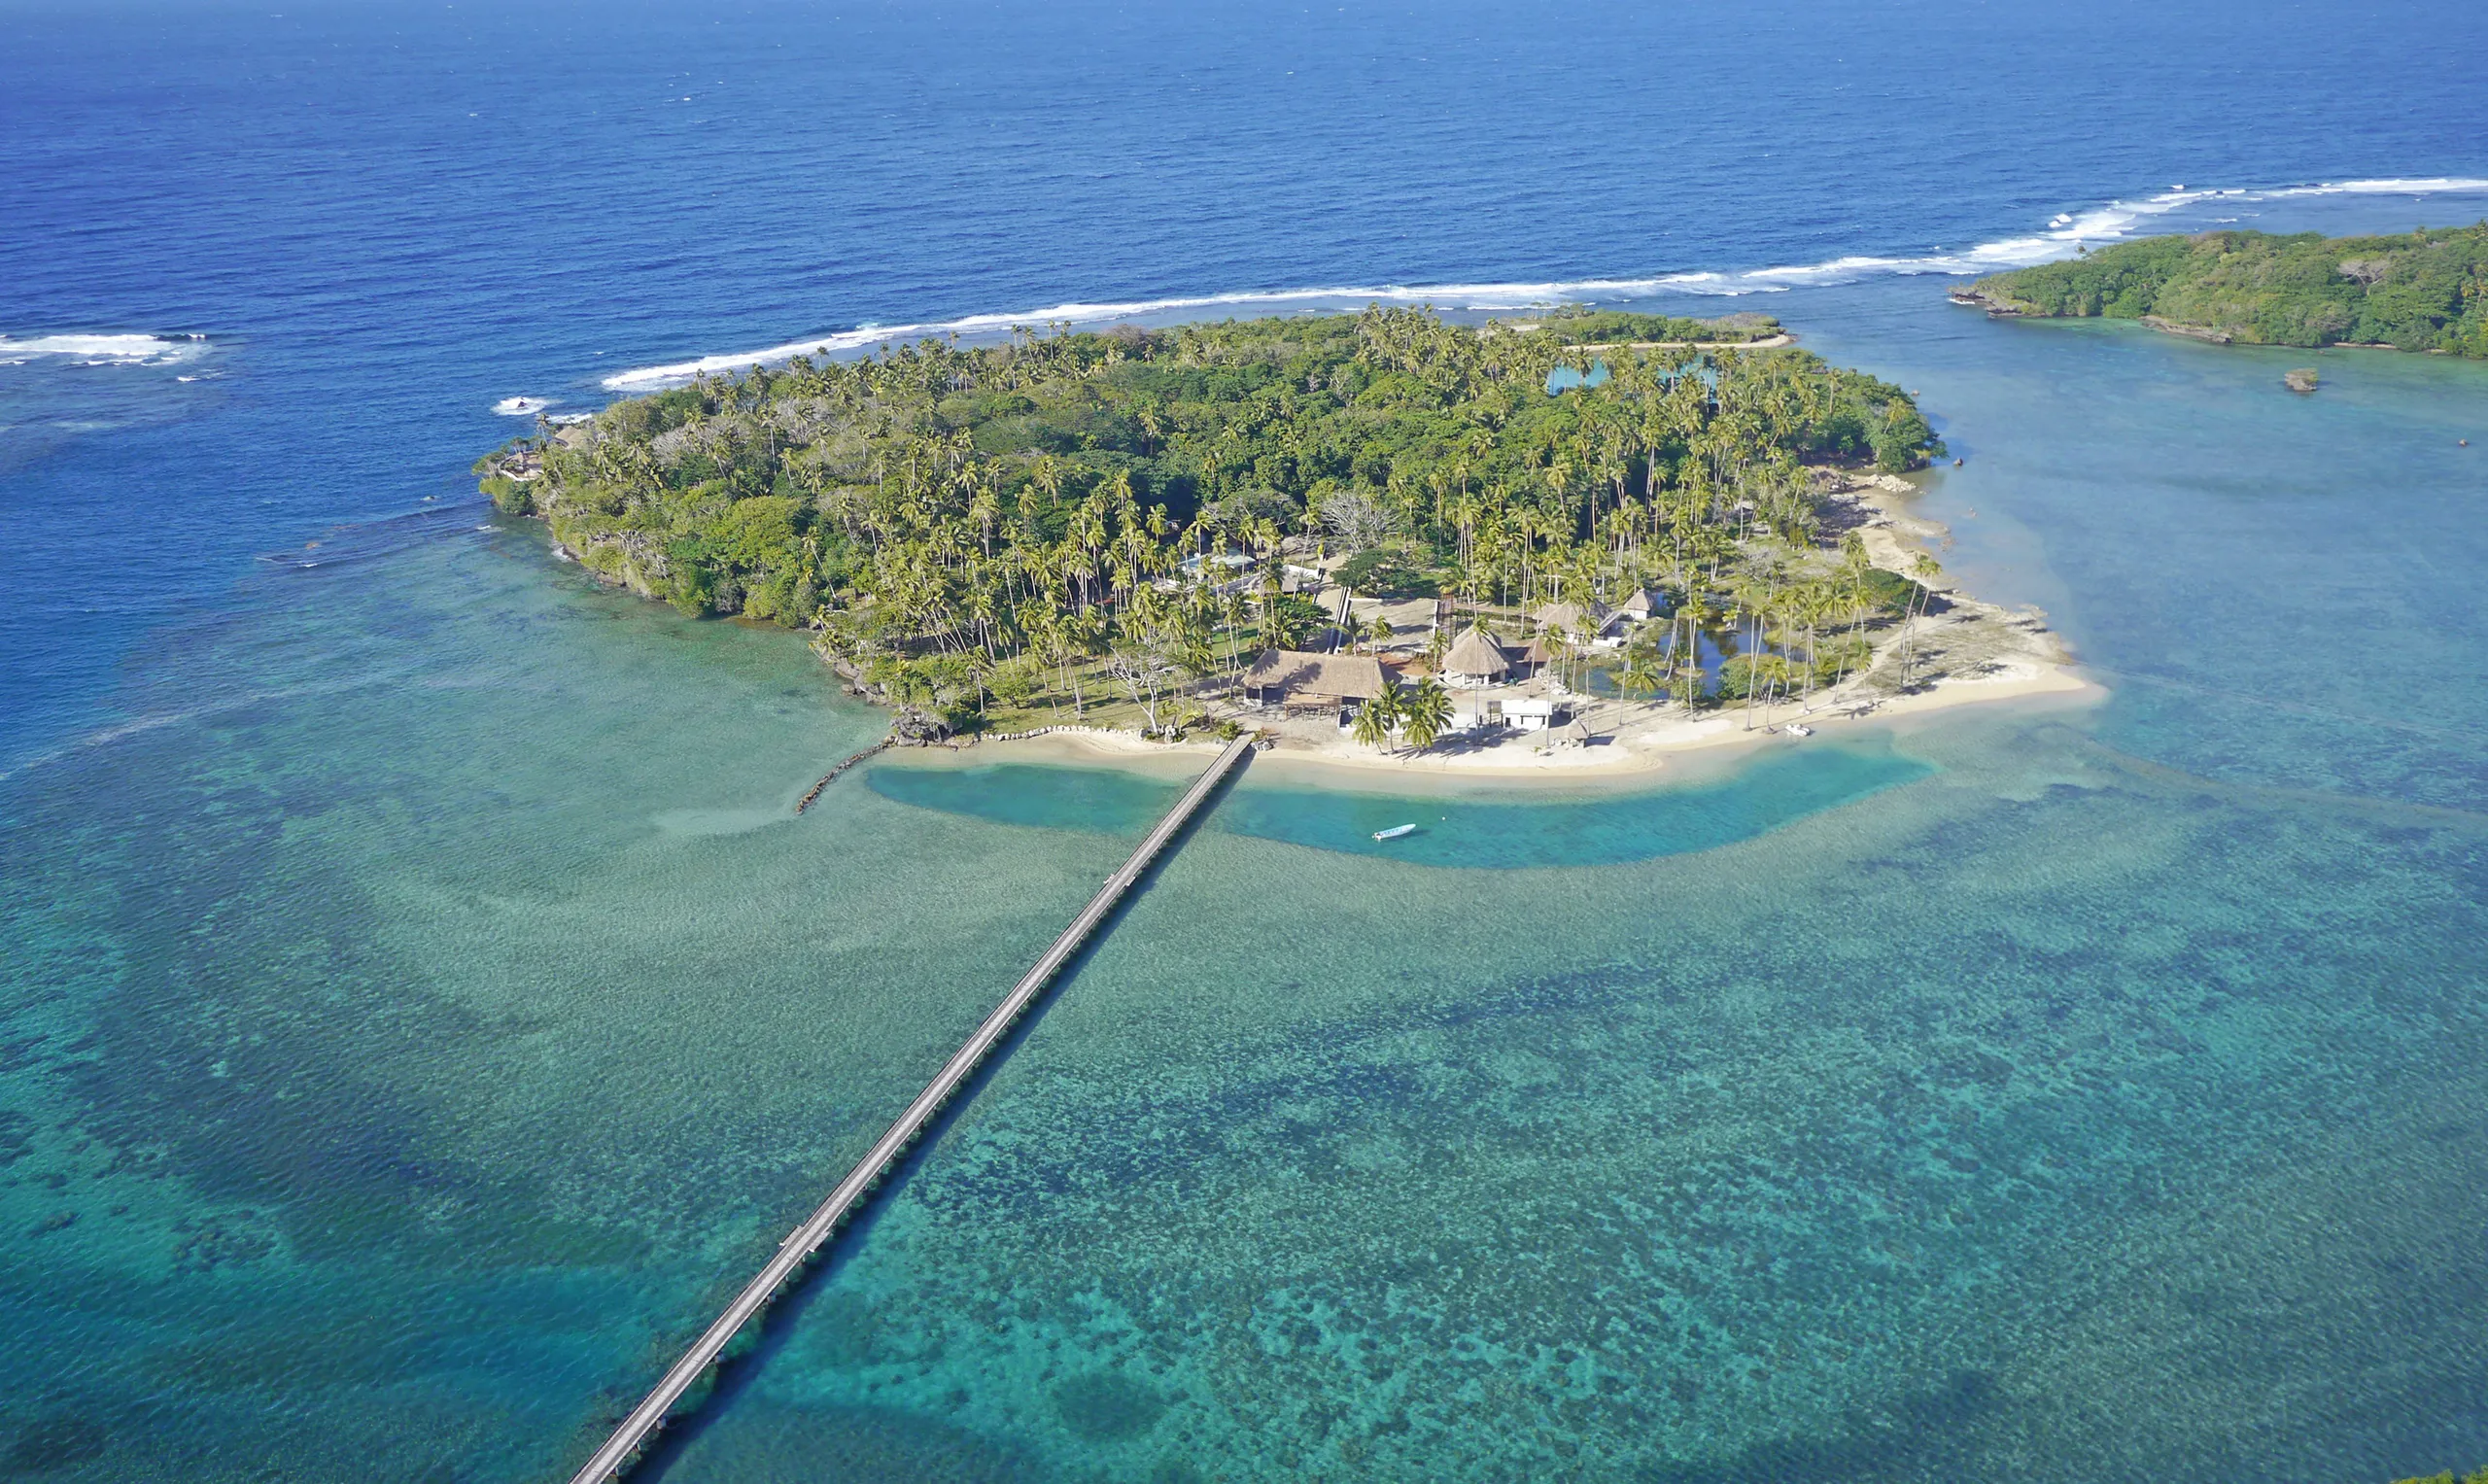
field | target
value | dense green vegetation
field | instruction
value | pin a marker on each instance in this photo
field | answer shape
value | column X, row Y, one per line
column 966, row 524
column 1580, row 325
column 1386, row 571
column 2427, row 291
column 2477, row 1476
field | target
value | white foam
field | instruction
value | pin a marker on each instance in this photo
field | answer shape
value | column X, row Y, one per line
column 522, row 406
column 105, row 349
column 2433, row 185
column 1482, row 297
column 2064, row 234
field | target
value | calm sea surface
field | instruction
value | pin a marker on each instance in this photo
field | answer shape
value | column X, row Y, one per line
column 418, row 1009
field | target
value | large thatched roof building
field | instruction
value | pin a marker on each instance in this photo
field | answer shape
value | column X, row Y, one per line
column 1293, row 677
column 1476, row 658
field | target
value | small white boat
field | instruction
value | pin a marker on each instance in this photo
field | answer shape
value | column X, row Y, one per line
column 1798, row 729
column 1394, row 832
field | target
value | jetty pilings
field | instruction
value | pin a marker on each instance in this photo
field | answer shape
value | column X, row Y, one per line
column 850, row 1193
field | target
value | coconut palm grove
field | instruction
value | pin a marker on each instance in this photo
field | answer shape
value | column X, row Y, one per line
column 1073, row 518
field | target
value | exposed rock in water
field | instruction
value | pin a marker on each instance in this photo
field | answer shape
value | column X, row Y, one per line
column 1979, row 299
column 2300, row 380
column 2190, row 332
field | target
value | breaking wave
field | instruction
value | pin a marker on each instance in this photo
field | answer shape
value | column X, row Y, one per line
column 104, row 349
column 2061, row 238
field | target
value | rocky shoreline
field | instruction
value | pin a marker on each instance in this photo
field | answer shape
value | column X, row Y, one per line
column 1998, row 307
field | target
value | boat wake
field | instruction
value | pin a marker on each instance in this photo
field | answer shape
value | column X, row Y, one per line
column 2063, row 236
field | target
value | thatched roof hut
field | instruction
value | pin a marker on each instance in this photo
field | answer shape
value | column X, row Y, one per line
column 1643, row 603
column 1299, row 678
column 1573, row 618
column 1476, row 658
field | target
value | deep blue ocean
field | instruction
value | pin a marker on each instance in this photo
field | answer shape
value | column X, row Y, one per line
column 419, row 1006
column 388, row 218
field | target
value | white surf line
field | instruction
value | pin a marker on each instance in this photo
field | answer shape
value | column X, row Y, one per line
column 104, row 347
column 2064, row 234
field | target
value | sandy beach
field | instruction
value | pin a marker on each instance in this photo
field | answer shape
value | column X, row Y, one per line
column 1971, row 653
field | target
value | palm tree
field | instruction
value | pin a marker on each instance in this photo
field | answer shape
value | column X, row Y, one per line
column 1424, row 712
column 933, row 546
column 1378, row 717
column 1638, row 675
column 1560, row 649
column 1283, row 625
column 1046, row 638
column 1232, row 612
column 1814, row 603
column 1683, row 655
column 1734, row 614
column 1926, row 570
column 1853, row 567
column 1082, row 634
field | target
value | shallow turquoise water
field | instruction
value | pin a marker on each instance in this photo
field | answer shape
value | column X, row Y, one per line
column 424, row 1008
column 419, row 1006
column 421, row 1014
column 2103, row 1105
column 1510, row 830
column 2279, row 588
column 1096, row 799
column 2041, row 1121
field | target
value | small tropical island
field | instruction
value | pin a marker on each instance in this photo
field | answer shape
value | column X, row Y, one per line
column 1579, row 538
column 2422, row 290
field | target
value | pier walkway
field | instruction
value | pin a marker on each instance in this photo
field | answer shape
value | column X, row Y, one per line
column 650, row 1415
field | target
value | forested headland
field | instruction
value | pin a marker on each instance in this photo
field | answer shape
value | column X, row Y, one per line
column 2423, row 290
column 975, row 528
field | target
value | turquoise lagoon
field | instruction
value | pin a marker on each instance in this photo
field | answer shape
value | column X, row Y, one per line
column 425, row 1008
column 1484, row 829
column 420, row 1007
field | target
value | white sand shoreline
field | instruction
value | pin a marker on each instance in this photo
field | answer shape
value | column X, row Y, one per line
column 1973, row 654
column 1682, row 747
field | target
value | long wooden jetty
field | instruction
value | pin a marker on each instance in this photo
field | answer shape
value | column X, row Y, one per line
column 650, row 1414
